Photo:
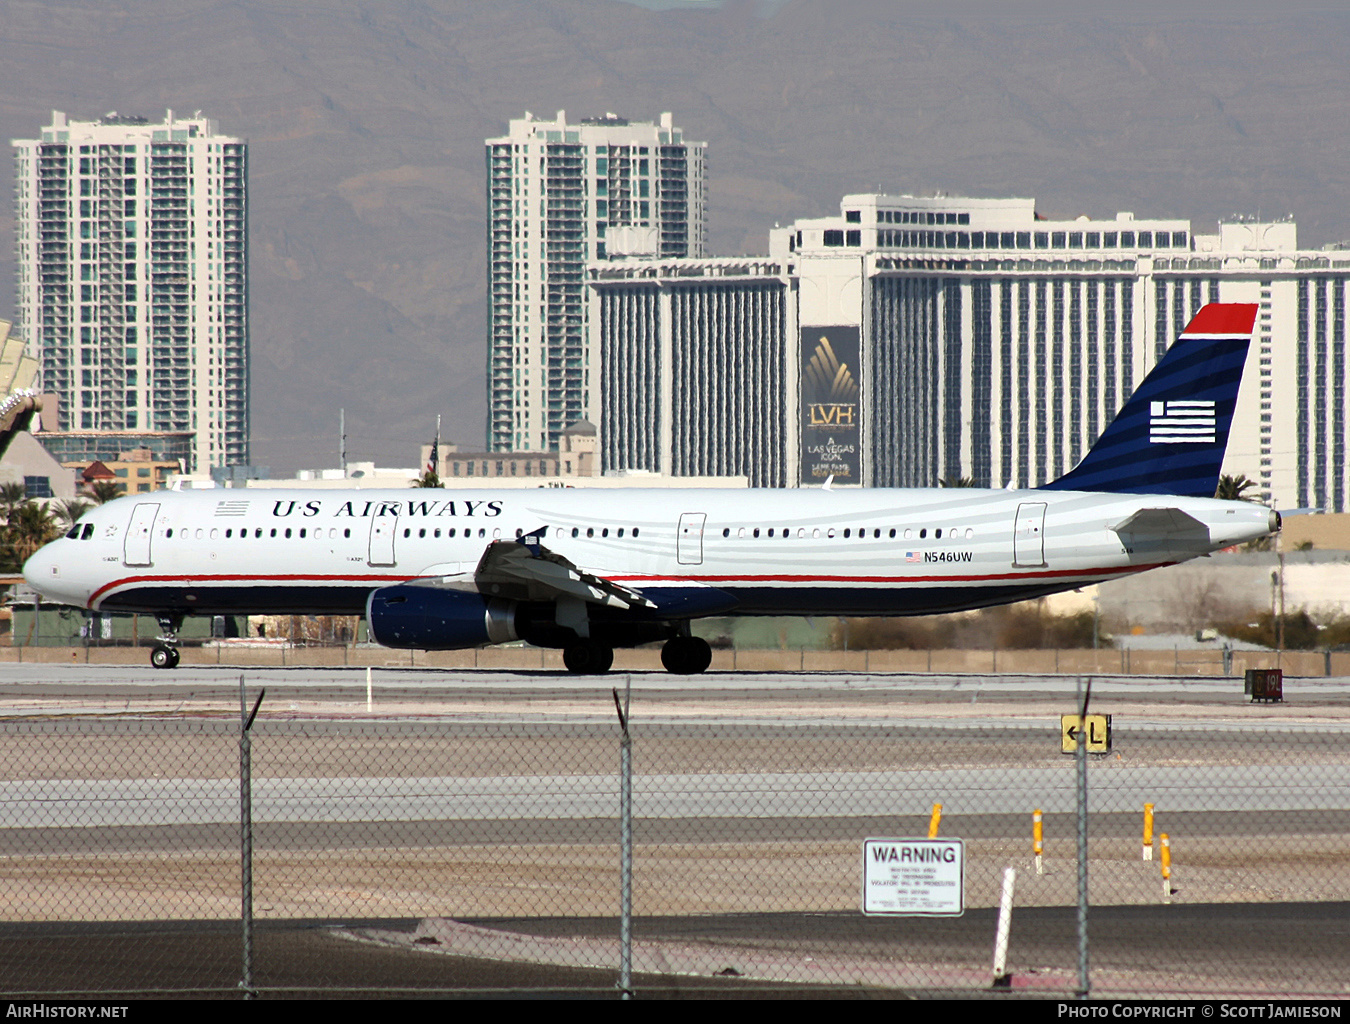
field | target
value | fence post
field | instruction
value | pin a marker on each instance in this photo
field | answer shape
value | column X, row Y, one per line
column 625, row 843
column 246, row 834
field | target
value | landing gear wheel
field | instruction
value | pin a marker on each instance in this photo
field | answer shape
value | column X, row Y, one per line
column 164, row 656
column 588, row 658
column 686, row 655
column 176, row 655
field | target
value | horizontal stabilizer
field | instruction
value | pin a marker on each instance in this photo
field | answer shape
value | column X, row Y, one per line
column 1160, row 522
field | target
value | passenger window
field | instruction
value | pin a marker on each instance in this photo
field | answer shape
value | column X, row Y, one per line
column 892, row 532
column 422, row 532
column 635, row 531
column 482, row 533
column 937, row 534
column 740, row 534
column 590, row 531
column 288, row 533
column 302, row 533
column 496, row 534
column 726, row 531
column 347, row 532
column 604, row 532
column 923, row 533
column 846, row 533
column 576, row 532
column 829, row 532
column 620, row 531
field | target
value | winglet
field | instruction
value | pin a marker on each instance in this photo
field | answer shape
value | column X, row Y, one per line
column 1171, row 435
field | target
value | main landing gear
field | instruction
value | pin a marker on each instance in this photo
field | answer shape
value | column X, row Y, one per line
column 165, row 652
column 686, row 655
column 683, row 655
column 588, row 658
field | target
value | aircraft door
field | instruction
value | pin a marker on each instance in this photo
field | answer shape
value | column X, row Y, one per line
column 136, row 546
column 1029, row 535
column 382, row 527
column 689, row 542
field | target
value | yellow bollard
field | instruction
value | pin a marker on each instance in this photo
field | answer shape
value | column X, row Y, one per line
column 1148, row 831
column 1037, row 840
column 935, row 821
column 1166, row 867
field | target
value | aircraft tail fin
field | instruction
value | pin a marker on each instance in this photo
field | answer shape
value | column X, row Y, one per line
column 1170, row 437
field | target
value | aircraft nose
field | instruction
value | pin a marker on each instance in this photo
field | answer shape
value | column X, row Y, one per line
column 42, row 569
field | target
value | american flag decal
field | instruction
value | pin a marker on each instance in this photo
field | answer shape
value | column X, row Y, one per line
column 231, row 508
column 912, row 556
column 1181, row 422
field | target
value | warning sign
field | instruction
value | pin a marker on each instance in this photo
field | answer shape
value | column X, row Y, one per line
column 914, row 877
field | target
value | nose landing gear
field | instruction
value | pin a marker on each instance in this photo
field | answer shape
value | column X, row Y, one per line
column 165, row 652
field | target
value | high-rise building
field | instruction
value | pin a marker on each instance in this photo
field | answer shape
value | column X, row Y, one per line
column 559, row 196
column 926, row 338
column 133, row 279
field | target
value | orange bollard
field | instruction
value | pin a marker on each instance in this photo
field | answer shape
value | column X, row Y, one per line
column 1037, row 839
column 935, row 821
column 1148, row 831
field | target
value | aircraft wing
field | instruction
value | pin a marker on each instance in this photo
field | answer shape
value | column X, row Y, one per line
column 525, row 570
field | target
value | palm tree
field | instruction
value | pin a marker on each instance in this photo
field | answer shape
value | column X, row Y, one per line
column 957, row 481
column 1234, row 488
column 102, row 491
column 30, row 526
column 11, row 497
column 68, row 510
column 427, row 479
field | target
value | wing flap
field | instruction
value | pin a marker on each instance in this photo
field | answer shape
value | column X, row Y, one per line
column 525, row 570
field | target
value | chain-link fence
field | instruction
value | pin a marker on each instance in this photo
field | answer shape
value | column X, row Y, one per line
column 463, row 850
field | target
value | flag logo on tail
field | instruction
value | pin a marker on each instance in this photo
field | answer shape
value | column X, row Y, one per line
column 1181, row 422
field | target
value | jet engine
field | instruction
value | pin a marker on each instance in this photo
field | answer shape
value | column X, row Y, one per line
column 432, row 619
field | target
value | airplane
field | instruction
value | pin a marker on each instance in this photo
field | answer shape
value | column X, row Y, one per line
column 588, row 571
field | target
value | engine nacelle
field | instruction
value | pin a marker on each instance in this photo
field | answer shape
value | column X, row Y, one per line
column 430, row 619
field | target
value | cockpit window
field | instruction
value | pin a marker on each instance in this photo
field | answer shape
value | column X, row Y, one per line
column 88, row 531
column 74, row 533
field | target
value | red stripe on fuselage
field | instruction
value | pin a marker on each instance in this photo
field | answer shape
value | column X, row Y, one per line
column 988, row 578
column 246, row 578
column 708, row 578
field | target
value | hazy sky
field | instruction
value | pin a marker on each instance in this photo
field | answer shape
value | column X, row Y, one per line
column 366, row 122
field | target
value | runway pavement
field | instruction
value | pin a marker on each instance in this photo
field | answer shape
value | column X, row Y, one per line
column 482, row 794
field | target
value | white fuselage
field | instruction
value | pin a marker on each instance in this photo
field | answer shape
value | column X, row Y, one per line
column 870, row 551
